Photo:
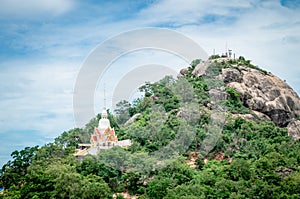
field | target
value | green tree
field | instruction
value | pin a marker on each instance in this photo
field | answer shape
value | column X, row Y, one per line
column 122, row 111
column 158, row 187
column 92, row 166
column 14, row 171
column 93, row 187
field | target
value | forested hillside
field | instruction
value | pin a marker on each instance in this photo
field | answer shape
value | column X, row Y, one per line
column 197, row 136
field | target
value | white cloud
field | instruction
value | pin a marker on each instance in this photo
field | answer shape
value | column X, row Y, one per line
column 34, row 8
column 177, row 13
column 37, row 97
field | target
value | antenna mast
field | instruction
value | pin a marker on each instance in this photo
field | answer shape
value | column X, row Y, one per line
column 104, row 98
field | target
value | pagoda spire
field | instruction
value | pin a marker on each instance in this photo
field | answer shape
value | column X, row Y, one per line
column 104, row 112
column 104, row 98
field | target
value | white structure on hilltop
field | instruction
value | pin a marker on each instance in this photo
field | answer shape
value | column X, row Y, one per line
column 104, row 137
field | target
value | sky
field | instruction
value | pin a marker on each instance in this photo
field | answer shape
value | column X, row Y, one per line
column 43, row 45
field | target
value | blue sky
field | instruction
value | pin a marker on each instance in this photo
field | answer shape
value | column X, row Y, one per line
column 44, row 43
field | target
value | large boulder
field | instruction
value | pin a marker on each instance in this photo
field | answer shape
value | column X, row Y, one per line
column 217, row 94
column 183, row 72
column 231, row 75
column 254, row 116
column 264, row 93
column 200, row 69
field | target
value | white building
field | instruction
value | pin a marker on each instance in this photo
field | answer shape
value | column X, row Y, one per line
column 104, row 137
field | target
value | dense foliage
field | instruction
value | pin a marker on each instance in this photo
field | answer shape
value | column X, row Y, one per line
column 247, row 159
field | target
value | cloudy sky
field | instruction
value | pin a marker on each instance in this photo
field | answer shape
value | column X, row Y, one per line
column 43, row 45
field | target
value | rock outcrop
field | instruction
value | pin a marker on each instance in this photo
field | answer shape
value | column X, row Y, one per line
column 201, row 68
column 132, row 119
column 264, row 93
column 231, row 75
column 183, row 72
column 294, row 129
column 267, row 96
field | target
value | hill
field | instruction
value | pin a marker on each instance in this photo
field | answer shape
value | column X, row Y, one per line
column 267, row 96
column 224, row 129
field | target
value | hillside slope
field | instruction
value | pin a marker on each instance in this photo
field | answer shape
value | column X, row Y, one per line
column 219, row 131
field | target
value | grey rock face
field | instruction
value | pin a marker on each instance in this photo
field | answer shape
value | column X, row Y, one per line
column 132, row 119
column 217, row 94
column 231, row 75
column 294, row 129
column 201, row 68
column 264, row 93
column 183, row 72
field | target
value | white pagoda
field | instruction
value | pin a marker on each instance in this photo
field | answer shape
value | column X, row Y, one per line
column 104, row 137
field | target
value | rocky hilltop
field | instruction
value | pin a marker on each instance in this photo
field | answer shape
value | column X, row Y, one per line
column 181, row 146
column 267, row 96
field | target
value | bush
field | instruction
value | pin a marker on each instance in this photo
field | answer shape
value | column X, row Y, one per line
column 234, row 103
column 214, row 57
